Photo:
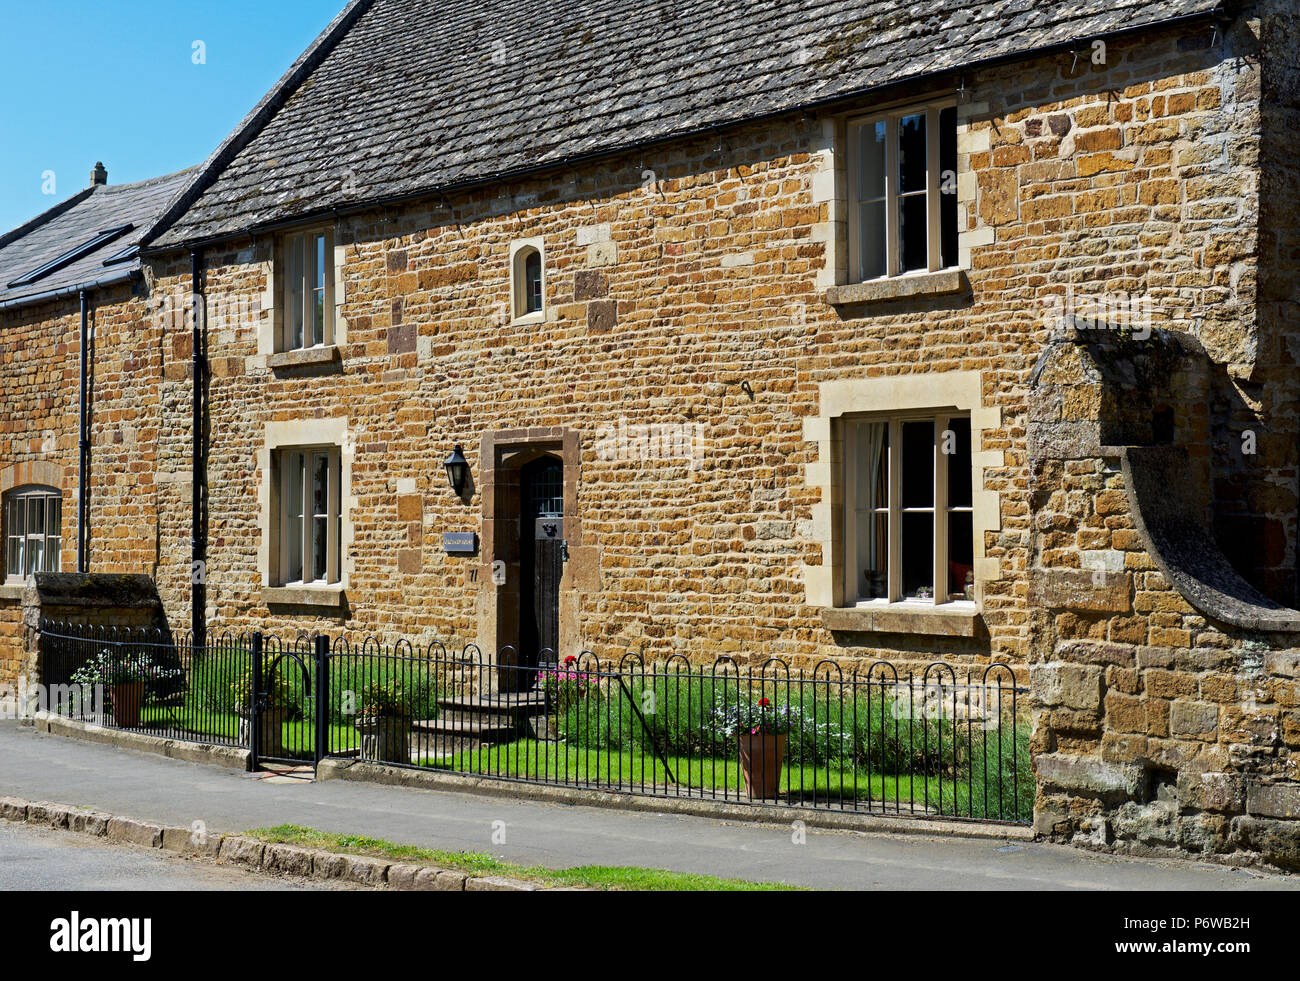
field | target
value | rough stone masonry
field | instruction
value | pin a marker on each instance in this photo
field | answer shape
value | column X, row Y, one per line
column 1135, row 566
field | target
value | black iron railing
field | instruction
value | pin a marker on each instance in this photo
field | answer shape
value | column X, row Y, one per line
column 875, row 740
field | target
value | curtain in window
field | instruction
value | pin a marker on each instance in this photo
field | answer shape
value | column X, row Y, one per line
column 872, row 518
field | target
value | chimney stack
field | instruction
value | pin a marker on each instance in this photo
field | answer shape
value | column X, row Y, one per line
column 98, row 176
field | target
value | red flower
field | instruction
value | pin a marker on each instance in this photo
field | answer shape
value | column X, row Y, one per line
column 570, row 659
column 763, row 703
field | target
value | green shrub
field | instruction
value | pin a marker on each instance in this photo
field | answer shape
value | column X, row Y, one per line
column 692, row 715
column 282, row 683
column 352, row 679
column 212, row 677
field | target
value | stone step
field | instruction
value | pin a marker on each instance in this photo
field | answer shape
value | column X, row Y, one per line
column 515, row 712
column 512, row 702
column 466, row 728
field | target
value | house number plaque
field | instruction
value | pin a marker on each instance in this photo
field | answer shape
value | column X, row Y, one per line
column 459, row 542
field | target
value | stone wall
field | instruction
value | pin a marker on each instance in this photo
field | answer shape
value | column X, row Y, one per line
column 1167, row 687
column 39, row 389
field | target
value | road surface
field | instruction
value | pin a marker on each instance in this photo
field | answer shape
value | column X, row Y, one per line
column 53, row 768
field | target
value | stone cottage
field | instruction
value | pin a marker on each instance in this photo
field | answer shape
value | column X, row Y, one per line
column 80, row 374
column 817, row 330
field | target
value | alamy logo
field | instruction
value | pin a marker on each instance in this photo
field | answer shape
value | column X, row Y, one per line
column 73, row 701
column 1126, row 312
column 653, row 441
column 102, row 935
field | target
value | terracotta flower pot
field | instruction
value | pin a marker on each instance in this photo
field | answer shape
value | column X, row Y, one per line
column 762, row 755
column 386, row 740
column 128, row 700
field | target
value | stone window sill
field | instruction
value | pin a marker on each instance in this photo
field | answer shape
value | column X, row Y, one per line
column 329, row 596
column 940, row 283
column 536, row 317
column 12, row 591
column 905, row 618
column 305, row 359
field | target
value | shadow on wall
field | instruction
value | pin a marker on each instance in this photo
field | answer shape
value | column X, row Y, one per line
column 116, row 604
column 1156, row 404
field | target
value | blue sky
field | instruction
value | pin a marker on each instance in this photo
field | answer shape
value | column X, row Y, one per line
column 87, row 80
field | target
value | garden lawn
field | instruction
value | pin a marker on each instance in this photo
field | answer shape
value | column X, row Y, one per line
column 299, row 736
column 558, row 763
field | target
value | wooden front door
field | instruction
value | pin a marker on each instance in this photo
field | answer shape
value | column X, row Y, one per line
column 541, row 539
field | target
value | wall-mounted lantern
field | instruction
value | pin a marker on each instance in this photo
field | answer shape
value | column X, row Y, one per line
column 457, row 471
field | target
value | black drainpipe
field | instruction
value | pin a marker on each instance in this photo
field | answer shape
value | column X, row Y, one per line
column 198, row 549
column 83, row 443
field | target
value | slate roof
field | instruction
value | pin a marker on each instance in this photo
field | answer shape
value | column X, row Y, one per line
column 407, row 96
column 76, row 222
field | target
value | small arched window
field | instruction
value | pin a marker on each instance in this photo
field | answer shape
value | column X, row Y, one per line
column 33, row 531
column 533, row 282
column 528, row 281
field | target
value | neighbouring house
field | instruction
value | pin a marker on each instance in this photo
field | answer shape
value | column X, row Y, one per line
column 80, row 381
column 822, row 330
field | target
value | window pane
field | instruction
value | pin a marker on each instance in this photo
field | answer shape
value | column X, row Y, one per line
column 918, row 554
column 871, row 161
column 320, row 515
column 872, row 455
column 292, row 485
column 15, row 529
column 297, row 280
column 318, row 319
column 918, row 464
column 961, row 550
column 871, row 520
column 318, row 292
column 911, row 153
column 913, row 229
column 948, row 186
column 320, row 484
column 35, row 554
column 319, row 269
column 54, row 552
column 533, row 283
column 871, row 240
column 959, row 465
column 319, row 548
column 55, row 516
column 35, row 516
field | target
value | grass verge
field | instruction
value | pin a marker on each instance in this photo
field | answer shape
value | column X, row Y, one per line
column 606, row 877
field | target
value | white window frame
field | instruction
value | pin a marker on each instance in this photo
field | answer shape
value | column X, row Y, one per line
column 302, row 457
column 306, row 280
column 519, row 253
column 934, row 230
column 52, row 544
column 941, row 509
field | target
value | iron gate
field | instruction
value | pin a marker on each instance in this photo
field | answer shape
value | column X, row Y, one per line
column 288, row 717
